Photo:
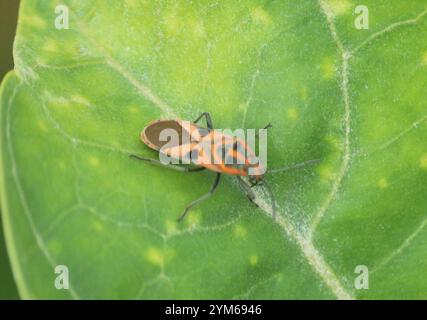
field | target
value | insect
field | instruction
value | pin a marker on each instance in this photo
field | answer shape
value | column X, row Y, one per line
column 199, row 159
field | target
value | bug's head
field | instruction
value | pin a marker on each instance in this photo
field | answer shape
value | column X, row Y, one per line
column 256, row 173
column 254, row 180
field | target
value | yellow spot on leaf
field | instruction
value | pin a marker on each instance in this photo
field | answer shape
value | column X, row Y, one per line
column 50, row 46
column 131, row 3
column 292, row 113
column 339, row 7
column 326, row 173
column 35, row 21
column 423, row 161
column 55, row 247
column 93, row 161
column 171, row 227
column 133, row 109
column 383, row 183
column 193, row 218
column 98, row 226
column 328, row 68
column 155, row 256
column 116, row 143
column 172, row 23
column 198, row 28
column 243, row 106
column 304, row 93
column 425, row 58
column 335, row 142
column 260, row 16
column 240, row 231
column 61, row 165
column 253, row 260
column 42, row 126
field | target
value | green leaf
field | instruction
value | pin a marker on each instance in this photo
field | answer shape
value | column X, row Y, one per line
column 72, row 110
column 8, row 287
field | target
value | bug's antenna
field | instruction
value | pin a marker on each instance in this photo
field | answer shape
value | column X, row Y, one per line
column 273, row 201
column 295, row 166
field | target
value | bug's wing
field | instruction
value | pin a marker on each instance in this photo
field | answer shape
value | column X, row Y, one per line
column 185, row 132
column 152, row 132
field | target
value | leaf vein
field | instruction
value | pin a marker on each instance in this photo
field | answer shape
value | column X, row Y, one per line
column 402, row 247
column 390, row 28
column 27, row 212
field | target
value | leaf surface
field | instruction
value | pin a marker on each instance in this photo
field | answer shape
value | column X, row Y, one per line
column 72, row 110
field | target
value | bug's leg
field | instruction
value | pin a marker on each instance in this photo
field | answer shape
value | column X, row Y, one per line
column 268, row 126
column 180, row 168
column 247, row 188
column 251, row 195
column 204, row 197
column 208, row 119
column 295, row 166
column 256, row 183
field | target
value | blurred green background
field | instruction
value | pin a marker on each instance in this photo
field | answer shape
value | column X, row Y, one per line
column 8, row 18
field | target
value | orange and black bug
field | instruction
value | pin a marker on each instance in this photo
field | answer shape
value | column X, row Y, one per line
column 230, row 146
